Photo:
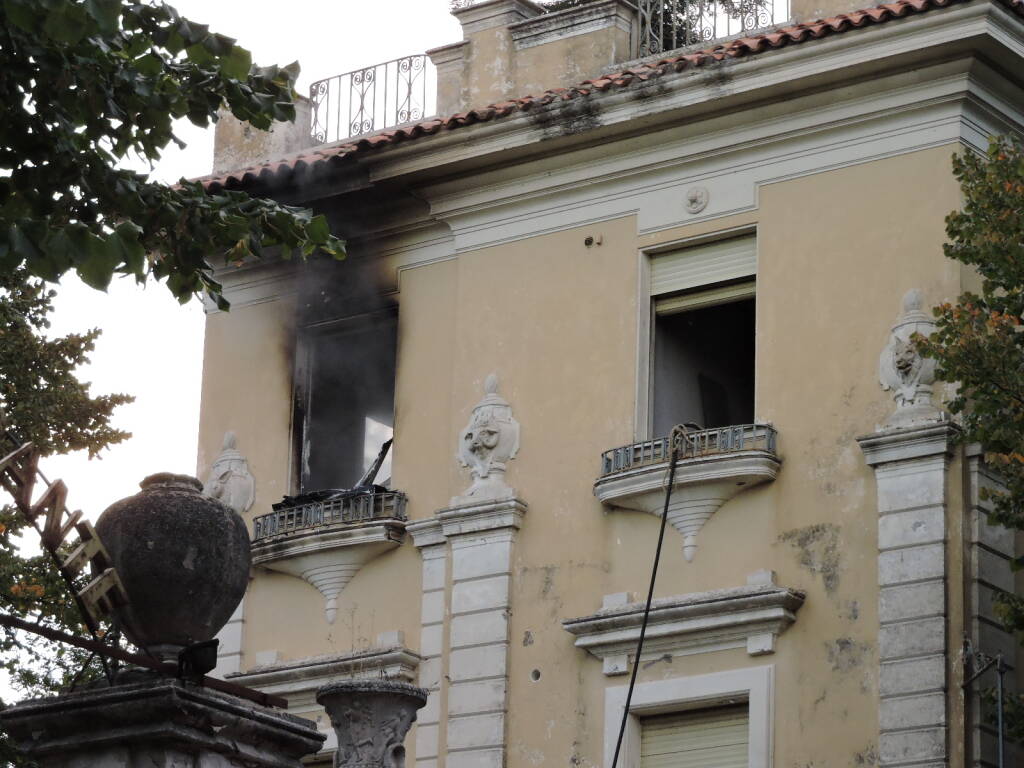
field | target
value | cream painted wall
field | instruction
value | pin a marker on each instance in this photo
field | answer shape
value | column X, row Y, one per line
column 557, row 321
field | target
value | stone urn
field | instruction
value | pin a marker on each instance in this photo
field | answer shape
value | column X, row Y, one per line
column 183, row 559
column 371, row 719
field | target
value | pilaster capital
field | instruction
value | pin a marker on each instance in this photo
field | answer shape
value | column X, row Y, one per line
column 482, row 517
column 425, row 533
column 908, row 443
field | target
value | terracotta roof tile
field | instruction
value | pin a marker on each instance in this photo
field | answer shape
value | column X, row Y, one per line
column 335, row 154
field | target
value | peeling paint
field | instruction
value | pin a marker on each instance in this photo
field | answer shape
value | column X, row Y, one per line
column 868, row 757
column 527, row 638
column 845, row 654
column 818, row 549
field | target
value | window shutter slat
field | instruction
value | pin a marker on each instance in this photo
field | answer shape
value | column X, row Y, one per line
column 715, row 738
column 703, row 265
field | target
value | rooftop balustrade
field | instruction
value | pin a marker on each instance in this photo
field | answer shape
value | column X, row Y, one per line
column 666, row 25
column 372, row 98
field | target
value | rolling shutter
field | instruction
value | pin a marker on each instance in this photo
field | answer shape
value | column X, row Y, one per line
column 707, row 738
column 702, row 265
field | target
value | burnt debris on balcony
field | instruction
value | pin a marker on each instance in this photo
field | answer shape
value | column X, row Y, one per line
column 669, row 24
column 372, row 98
column 698, row 443
column 366, row 502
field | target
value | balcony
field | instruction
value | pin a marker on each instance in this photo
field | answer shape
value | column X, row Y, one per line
column 373, row 98
column 327, row 542
column 666, row 25
column 714, row 466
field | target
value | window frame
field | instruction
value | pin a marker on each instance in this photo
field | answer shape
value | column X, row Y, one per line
column 646, row 312
column 754, row 685
column 305, row 337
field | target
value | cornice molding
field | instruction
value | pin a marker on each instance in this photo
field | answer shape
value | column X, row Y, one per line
column 752, row 616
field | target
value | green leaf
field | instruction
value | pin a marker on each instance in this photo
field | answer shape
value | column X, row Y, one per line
column 66, row 24
column 198, row 54
column 21, row 14
column 107, row 14
column 102, row 257
column 149, row 65
column 318, row 230
column 237, row 63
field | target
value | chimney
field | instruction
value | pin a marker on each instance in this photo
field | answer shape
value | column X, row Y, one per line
column 236, row 144
column 514, row 48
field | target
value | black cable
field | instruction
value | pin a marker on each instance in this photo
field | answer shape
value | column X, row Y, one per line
column 678, row 435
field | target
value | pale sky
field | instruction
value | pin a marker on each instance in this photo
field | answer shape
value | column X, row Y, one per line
column 151, row 346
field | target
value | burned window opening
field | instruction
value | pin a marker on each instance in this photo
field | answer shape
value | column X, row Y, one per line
column 345, row 401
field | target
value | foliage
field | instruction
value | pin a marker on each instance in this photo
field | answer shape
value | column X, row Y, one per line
column 979, row 343
column 44, row 402
column 85, row 83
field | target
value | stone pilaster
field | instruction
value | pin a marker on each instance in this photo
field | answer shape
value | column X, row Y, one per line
column 160, row 722
column 482, row 537
column 433, row 546
column 989, row 553
column 910, row 466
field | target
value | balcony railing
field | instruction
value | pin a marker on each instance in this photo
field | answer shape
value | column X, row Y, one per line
column 744, row 437
column 353, row 509
column 373, row 98
column 669, row 24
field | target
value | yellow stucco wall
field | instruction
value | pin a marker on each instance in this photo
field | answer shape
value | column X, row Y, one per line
column 558, row 322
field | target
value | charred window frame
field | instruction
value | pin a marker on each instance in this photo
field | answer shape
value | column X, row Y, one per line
column 344, row 392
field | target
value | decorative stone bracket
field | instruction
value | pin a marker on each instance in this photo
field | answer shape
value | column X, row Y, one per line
column 724, row 462
column 752, row 616
column 330, row 556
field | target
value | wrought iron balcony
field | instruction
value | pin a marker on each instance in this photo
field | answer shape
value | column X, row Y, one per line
column 353, row 509
column 669, row 24
column 745, row 437
column 714, row 465
column 373, row 98
column 327, row 542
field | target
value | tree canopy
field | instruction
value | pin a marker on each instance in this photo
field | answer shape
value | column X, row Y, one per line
column 42, row 401
column 979, row 344
column 85, row 84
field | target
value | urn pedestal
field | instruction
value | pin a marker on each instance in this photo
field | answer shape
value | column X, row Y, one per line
column 371, row 719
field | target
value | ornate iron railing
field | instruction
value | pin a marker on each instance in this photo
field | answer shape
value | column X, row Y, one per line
column 354, row 509
column 372, row 98
column 669, row 24
column 744, row 437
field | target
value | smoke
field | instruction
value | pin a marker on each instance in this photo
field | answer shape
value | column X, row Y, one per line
column 345, row 373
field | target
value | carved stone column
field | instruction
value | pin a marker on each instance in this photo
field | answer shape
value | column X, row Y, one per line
column 467, row 553
column 910, row 454
column 158, row 722
column 433, row 546
column 482, row 539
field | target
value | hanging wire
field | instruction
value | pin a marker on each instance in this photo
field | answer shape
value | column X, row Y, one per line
column 677, row 439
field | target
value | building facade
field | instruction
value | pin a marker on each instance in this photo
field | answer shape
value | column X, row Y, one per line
column 738, row 236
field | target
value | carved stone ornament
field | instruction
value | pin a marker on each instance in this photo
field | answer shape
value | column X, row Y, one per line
column 486, row 445
column 370, row 719
column 903, row 371
column 697, row 199
column 230, row 481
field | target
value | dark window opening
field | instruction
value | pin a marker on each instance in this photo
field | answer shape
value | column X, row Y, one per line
column 703, row 368
column 347, row 406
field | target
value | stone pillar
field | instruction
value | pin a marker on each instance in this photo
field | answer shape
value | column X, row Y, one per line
column 910, row 466
column 988, row 557
column 427, row 536
column 482, row 537
column 160, row 722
